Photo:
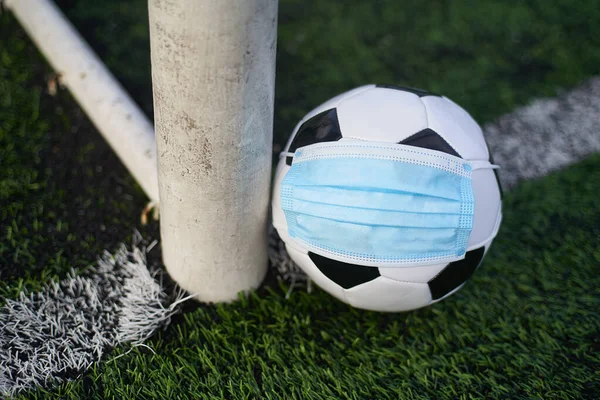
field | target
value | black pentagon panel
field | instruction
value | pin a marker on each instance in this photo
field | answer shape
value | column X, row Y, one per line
column 344, row 274
column 323, row 127
column 429, row 139
column 418, row 92
column 455, row 274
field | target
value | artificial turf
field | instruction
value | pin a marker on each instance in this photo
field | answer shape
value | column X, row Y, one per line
column 64, row 196
column 525, row 326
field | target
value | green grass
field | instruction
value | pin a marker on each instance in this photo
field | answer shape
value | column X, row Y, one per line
column 64, row 196
column 526, row 326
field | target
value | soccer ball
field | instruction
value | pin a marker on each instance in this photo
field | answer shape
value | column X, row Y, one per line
column 413, row 117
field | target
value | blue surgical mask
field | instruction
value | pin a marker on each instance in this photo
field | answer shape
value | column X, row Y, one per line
column 379, row 204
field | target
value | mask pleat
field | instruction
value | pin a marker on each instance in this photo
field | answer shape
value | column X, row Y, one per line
column 379, row 176
column 381, row 241
column 376, row 200
column 362, row 216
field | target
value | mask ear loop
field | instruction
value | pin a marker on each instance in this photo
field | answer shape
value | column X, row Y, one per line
column 479, row 164
column 286, row 154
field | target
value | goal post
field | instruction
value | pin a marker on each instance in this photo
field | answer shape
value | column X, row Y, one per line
column 213, row 75
column 124, row 126
column 213, row 70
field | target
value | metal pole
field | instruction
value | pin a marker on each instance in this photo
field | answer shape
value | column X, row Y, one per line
column 213, row 70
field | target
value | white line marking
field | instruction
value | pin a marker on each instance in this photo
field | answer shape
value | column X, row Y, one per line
column 59, row 333
column 547, row 134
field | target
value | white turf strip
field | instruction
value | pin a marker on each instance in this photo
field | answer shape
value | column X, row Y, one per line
column 58, row 333
column 546, row 135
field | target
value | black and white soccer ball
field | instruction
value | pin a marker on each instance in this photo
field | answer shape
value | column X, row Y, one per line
column 413, row 117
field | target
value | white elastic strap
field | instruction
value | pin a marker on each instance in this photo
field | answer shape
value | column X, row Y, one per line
column 480, row 164
column 492, row 235
column 286, row 154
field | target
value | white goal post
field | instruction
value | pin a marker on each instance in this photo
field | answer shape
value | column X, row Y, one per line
column 109, row 107
column 213, row 69
column 213, row 74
